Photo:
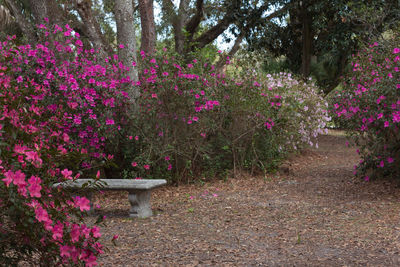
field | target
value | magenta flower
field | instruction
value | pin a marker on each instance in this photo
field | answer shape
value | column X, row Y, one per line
column 396, row 50
column 82, row 203
column 146, row 167
column 109, row 122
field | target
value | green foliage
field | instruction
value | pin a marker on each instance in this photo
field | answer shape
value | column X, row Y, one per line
column 337, row 30
column 369, row 107
column 193, row 122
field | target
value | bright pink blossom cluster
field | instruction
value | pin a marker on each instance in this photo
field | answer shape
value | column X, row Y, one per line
column 58, row 103
column 370, row 106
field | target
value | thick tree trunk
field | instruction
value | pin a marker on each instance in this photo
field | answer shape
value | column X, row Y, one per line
column 123, row 11
column 307, row 39
column 179, row 24
column 39, row 10
column 148, row 40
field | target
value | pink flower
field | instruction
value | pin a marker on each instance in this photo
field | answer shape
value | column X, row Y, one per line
column 9, row 178
column 35, row 187
column 386, row 124
column 109, row 122
column 41, row 215
column 96, row 232
column 147, row 167
column 65, row 137
column 121, row 46
column 58, row 231
column 390, row 160
column 136, row 138
column 381, row 164
column 19, row 178
column 167, row 158
column 65, row 251
column 82, row 203
column 169, row 167
column 396, row 50
column 67, row 174
column 75, row 233
column 366, row 178
column 134, row 164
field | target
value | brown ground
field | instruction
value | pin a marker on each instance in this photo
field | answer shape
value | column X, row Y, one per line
column 316, row 215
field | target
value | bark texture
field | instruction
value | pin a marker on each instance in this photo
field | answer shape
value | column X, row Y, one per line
column 123, row 11
column 307, row 38
column 92, row 27
column 22, row 22
column 148, row 40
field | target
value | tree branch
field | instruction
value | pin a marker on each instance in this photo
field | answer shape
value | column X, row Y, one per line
column 194, row 22
column 84, row 8
column 22, row 22
column 222, row 61
column 213, row 33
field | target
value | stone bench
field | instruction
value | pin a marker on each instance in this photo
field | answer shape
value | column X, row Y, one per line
column 139, row 191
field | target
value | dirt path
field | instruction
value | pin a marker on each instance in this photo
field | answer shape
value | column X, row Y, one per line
column 316, row 215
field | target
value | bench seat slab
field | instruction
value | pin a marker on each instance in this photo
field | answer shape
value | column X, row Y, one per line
column 139, row 192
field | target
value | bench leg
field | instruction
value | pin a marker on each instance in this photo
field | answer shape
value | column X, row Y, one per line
column 140, row 203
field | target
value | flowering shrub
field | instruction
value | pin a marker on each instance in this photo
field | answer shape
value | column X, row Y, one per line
column 369, row 106
column 193, row 121
column 58, row 108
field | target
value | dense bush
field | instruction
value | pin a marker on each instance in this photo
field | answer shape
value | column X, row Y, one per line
column 194, row 121
column 369, row 107
column 58, row 108
column 65, row 113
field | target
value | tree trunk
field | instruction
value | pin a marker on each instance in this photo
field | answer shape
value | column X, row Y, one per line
column 178, row 24
column 92, row 27
column 148, row 40
column 307, row 38
column 39, row 10
column 22, row 22
column 123, row 11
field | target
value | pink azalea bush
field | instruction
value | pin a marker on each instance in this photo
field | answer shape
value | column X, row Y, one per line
column 193, row 121
column 59, row 106
column 369, row 106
